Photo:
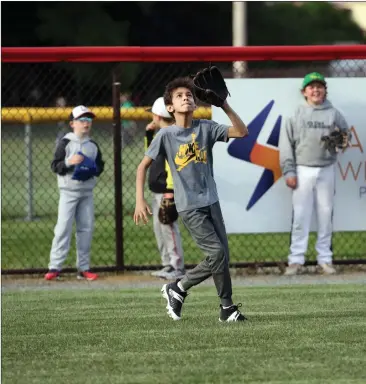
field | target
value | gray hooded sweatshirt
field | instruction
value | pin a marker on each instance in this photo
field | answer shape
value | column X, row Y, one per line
column 68, row 146
column 300, row 137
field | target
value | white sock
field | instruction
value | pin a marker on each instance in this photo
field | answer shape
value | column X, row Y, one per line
column 180, row 286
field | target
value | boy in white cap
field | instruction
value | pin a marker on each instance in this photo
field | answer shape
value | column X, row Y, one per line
column 160, row 182
column 309, row 170
column 77, row 162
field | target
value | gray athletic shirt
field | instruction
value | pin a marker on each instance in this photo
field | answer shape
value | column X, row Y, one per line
column 189, row 154
column 300, row 138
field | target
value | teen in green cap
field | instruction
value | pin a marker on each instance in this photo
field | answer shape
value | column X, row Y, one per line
column 309, row 170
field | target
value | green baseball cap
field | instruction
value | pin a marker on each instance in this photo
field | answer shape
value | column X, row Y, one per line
column 311, row 77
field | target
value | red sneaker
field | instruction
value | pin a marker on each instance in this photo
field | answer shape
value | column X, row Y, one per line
column 52, row 275
column 86, row 275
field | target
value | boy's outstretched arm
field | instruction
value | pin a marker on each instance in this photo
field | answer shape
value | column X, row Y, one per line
column 142, row 209
column 238, row 128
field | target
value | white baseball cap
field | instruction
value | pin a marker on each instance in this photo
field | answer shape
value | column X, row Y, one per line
column 81, row 110
column 159, row 109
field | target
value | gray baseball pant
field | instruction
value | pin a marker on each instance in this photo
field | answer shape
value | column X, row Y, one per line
column 78, row 205
column 206, row 226
column 168, row 238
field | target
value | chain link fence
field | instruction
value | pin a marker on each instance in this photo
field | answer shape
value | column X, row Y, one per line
column 36, row 101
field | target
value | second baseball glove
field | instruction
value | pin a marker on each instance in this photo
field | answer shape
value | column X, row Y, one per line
column 336, row 140
column 85, row 170
column 210, row 86
column 167, row 211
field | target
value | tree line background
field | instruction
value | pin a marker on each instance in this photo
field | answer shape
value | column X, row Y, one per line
column 149, row 24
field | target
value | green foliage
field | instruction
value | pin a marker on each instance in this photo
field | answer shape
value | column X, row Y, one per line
column 152, row 23
column 311, row 23
column 85, row 24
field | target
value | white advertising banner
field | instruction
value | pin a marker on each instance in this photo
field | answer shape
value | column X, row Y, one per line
column 252, row 191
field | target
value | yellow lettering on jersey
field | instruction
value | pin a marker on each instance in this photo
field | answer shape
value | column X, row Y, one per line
column 190, row 152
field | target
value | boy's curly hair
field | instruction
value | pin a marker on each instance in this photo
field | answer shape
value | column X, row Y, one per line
column 180, row 82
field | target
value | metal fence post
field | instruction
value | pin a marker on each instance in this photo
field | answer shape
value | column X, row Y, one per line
column 117, row 148
column 29, row 171
column 240, row 35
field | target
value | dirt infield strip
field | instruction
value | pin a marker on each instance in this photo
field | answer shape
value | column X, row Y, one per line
column 131, row 281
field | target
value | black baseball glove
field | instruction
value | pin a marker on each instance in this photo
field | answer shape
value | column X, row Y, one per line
column 167, row 211
column 336, row 140
column 210, row 86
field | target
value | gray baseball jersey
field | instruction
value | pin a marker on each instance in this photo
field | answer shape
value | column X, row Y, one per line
column 189, row 154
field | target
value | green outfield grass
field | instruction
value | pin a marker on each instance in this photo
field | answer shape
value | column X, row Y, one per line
column 27, row 244
column 295, row 334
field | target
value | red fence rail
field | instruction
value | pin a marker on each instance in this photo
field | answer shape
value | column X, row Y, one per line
column 179, row 54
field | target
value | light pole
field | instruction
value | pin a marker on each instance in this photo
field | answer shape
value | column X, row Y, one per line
column 239, row 26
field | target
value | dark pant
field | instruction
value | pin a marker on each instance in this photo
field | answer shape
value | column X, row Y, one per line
column 206, row 226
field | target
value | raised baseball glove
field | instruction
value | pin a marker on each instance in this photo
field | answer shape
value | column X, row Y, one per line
column 167, row 211
column 210, row 86
column 336, row 140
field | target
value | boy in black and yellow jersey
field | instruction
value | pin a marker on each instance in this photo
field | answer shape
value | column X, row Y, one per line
column 160, row 182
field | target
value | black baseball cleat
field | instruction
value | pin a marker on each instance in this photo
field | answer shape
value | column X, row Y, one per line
column 231, row 314
column 175, row 299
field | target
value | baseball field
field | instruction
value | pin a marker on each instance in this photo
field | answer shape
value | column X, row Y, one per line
column 306, row 329
column 298, row 332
